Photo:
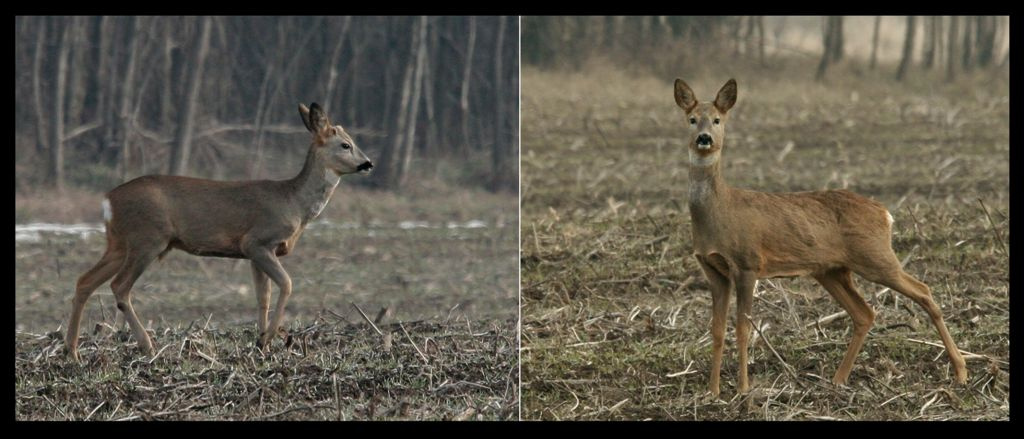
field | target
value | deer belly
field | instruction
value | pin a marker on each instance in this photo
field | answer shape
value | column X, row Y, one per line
column 221, row 247
column 778, row 265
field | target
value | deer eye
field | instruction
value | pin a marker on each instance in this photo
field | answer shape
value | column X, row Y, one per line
column 346, row 146
column 693, row 121
column 717, row 121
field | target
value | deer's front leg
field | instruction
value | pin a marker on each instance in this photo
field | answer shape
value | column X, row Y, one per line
column 267, row 262
column 720, row 304
column 745, row 283
column 261, row 284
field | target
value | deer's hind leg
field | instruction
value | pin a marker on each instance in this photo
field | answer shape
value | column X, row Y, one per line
column 139, row 256
column 112, row 260
column 839, row 283
column 745, row 282
column 909, row 286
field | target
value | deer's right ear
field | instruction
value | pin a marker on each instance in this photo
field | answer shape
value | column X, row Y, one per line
column 317, row 118
column 685, row 98
column 304, row 112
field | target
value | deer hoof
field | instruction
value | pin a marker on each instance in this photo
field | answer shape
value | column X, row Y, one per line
column 262, row 341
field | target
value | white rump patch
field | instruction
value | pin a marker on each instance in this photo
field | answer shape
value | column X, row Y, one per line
column 107, row 213
column 889, row 217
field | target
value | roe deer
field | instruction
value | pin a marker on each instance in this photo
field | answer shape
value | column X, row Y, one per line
column 740, row 236
column 257, row 220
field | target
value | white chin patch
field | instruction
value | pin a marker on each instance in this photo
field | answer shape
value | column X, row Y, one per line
column 703, row 146
column 703, row 160
column 331, row 177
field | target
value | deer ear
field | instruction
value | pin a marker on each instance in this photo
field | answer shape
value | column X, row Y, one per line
column 317, row 118
column 726, row 96
column 685, row 98
column 304, row 113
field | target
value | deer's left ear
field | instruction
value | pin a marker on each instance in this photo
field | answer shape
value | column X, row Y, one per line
column 726, row 96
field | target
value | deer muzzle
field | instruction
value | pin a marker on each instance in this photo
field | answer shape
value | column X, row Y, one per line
column 365, row 166
column 704, row 142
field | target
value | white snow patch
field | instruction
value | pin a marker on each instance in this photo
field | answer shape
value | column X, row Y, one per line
column 405, row 225
column 33, row 232
column 471, row 224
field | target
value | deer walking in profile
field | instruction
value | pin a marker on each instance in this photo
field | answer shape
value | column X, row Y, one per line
column 740, row 236
column 258, row 220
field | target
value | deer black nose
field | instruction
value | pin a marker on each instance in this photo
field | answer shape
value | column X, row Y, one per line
column 366, row 166
column 704, row 139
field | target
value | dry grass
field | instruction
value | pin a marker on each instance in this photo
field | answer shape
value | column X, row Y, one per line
column 616, row 313
column 328, row 370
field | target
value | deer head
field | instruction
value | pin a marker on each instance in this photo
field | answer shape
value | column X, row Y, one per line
column 706, row 121
column 333, row 145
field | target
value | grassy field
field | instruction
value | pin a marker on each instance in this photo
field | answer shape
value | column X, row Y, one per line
column 616, row 312
column 448, row 349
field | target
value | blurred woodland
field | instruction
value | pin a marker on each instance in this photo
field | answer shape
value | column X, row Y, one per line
column 101, row 100
column 953, row 44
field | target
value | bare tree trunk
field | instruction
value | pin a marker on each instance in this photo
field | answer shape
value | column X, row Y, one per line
column 618, row 25
column 71, row 86
column 60, row 72
column 166, row 103
column 986, row 40
column 183, row 139
column 826, row 52
column 645, row 28
column 100, row 73
column 428, row 86
column 874, row 43
column 410, row 138
column 1002, row 34
column 261, row 109
column 127, row 85
column 287, row 65
column 464, row 96
column 951, row 59
column 392, row 158
column 333, row 66
column 37, row 93
column 497, row 149
column 928, row 52
column 837, row 41
column 908, row 49
column 760, row 39
column 967, row 46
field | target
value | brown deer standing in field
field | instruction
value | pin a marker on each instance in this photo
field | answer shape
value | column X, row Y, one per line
column 740, row 236
column 258, row 220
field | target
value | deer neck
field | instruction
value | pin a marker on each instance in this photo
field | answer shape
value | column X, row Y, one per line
column 313, row 187
column 707, row 187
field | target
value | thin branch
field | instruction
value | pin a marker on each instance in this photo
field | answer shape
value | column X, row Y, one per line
column 375, row 328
